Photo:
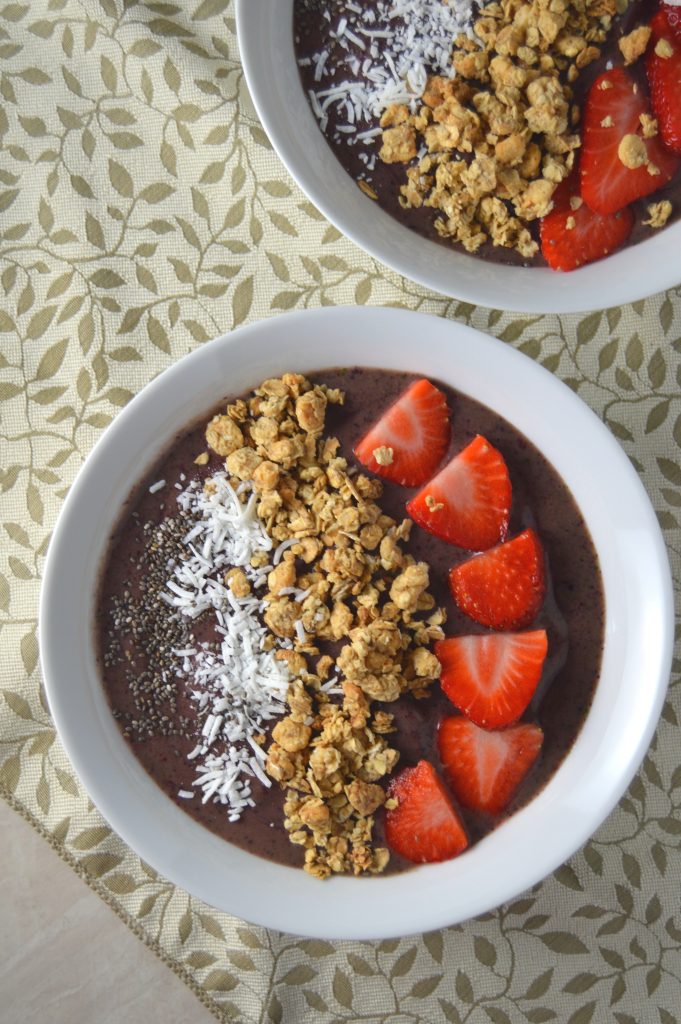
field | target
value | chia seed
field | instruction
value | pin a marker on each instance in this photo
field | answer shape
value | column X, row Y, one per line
column 144, row 633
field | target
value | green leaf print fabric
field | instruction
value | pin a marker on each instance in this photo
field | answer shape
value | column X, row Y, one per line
column 142, row 212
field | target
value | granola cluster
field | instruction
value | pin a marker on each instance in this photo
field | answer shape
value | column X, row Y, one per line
column 501, row 135
column 331, row 770
column 346, row 600
column 658, row 214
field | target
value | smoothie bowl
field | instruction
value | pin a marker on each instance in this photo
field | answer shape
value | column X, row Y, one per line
column 474, row 146
column 375, row 619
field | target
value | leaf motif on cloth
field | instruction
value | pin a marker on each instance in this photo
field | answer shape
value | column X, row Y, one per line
column 153, row 215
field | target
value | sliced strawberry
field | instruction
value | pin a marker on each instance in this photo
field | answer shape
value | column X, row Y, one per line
column 613, row 110
column 663, row 66
column 572, row 234
column 410, row 439
column 468, row 503
column 485, row 768
column 504, row 587
column 673, row 15
column 424, row 827
column 492, row 678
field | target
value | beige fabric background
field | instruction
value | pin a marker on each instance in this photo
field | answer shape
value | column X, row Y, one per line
column 142, row 212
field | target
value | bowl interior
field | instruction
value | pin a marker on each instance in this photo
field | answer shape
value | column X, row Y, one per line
column 266, row 45
column 628, row 698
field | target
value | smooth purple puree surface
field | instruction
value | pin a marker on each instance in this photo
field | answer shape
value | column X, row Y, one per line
column 572, row 614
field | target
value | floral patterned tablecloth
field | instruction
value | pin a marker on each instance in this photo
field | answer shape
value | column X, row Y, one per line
column 142, row 212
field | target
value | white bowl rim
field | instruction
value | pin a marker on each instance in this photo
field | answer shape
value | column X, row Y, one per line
column 534, row 841
column 630, row 274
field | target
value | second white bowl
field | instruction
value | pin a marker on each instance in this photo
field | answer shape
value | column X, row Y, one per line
column 265, row 33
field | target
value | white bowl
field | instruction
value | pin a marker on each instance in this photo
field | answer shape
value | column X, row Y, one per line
column 265, row 33
column 629, row 695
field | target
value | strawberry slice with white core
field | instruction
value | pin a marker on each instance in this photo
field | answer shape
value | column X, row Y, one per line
column 492, row 677
column 502, row 588
column 468, row 503
column 572, row 234
column 424, row 827
column 483, row 768
column 410, row 439
column 620, row 162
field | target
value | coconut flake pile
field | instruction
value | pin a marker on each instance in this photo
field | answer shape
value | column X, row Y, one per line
column 240, row 686
column 390, row 49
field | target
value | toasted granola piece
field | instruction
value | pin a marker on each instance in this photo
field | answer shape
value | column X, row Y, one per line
column 266, row 476
column 242, row 463
column 355, row 704
column 273, row 387
column 649, row 125
column 531, row 161
column 324, row 666
column 382, row 722
column 399, row 144
column 237, row 582
column 504, row 73
column 371, row 660
column 299, row 701
column 379, row 762
column 658, row 213
column 365, row 797
column 341, row 620
column 537, row 200
column 287, row 451
column 264, row 430
column 436, row 90
column 587, row 56
column 315, row 813
column 311, row 410
column 425, row 664
column 635, row 44
column 550, row 23
column 325, row 760
column 633, row 152
column 548, row 110
column 290, row 735
column 281, row 617
column 283, row 575
column 409, row 585
column 370, row 536
column 663, row 48
column 342, row 563
column 395, row 114
column 238, row 411
column 392, row 556
column 223, row 435
column 295, row 661
column 279, row 765
column 511, row 150
column 295, row 383
column 472, row 65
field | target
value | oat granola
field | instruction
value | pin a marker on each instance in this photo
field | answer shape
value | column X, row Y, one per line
column 342, row 576
column 501, row 135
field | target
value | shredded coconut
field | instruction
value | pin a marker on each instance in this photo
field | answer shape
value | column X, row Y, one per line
column 401, row 43
column 239, row 684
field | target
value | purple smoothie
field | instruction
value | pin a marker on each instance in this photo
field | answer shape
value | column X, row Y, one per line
column 572, row 614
